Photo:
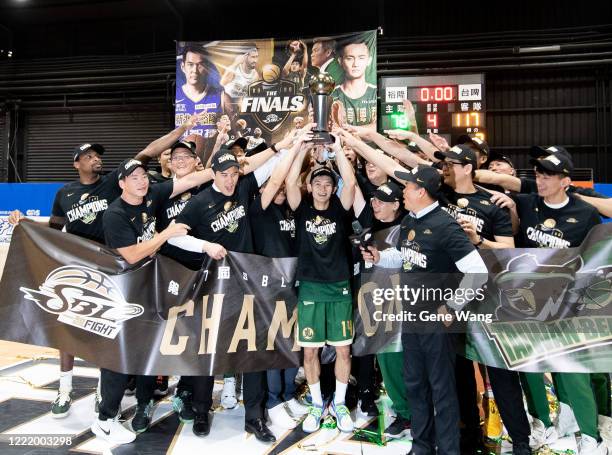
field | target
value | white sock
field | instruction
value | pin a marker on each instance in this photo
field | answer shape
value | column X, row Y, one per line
column 65, row 380
column 340, row 392
column 315, row 393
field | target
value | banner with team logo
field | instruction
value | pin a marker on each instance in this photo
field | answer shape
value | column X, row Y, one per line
column 542, row 309
column 551, row 308
column 258, row 89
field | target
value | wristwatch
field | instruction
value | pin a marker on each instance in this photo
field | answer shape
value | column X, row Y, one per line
column 480, row 242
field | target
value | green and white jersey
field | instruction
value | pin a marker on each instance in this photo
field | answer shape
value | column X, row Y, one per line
column 359, row 111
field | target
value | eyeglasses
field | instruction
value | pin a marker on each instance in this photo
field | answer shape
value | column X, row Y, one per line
column 450, row 163
column 179, row 158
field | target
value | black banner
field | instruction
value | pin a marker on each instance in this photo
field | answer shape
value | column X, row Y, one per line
column 551, row 307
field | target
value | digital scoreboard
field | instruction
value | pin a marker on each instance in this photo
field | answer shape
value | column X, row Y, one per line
column 448, row 105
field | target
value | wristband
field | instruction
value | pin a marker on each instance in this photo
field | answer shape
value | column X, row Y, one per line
column 480, row 242
column 274, row 149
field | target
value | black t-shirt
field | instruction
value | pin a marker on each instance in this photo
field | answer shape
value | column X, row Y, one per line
column 126, row 225
column 366, row 187
column 322, row 238
column 168, row 212
column 83, row 205
column 545, row 227
column 157, row 177
column 529, row 186
column 273, row 229
column 222, row 219
column 367, row 219
column 489, row 219
column 432, row 243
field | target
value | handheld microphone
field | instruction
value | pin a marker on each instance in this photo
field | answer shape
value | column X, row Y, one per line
column 362, row 237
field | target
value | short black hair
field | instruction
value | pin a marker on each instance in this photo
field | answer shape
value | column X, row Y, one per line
column 350, row 42
column 327, row 44
column 194, row 50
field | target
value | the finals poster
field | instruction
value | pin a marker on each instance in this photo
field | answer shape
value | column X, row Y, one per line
column 258, row 89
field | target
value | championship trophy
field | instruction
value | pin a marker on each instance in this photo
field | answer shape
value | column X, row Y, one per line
column 321, row 87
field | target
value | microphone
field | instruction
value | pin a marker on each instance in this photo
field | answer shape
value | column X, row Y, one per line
column 362, row 236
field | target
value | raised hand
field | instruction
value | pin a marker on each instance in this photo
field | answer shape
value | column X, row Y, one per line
column 15, row 217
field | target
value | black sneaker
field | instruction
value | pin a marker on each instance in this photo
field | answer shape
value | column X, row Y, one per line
column 472, row 442
column 182, row 405
column 367, row 405
column 161, row 386
column 521, row 448
column 201, row 425
column 130, row 389
column 142, row 418
column 398, row 429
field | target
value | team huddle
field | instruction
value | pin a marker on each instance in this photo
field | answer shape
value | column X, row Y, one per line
column 297, row 199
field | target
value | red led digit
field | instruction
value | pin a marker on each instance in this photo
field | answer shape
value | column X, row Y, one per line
column 448, row 93
column 439, row 94
column 424, row 94
column 432, row 120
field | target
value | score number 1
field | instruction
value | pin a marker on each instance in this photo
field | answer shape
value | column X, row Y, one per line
column 466, row 119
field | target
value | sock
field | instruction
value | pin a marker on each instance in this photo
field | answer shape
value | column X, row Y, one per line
column 340, row 392
column 315, row 393
column 65, row 380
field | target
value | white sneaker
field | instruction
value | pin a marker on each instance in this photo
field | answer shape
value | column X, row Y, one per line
column 540, row 435
column 312, row 422
column 300, row 377
column 296, row 409
column 228, row 395
column 279, row 417
column 566, row 422
column 112, row 431
column 344, row 421
column 589, row 446
column 604, row 424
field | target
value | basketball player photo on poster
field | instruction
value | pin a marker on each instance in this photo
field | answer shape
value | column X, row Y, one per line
column 258, row 89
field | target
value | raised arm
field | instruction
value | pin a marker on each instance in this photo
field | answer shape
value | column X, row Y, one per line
column 387, row 164
column 359, row 201
column 428, row 148
column 347, row 195
column 282, row 169
column 229, row 74
column 192, row 180
column 292, row 182
column 287, row 66
column 155, row 148
column 507, row 182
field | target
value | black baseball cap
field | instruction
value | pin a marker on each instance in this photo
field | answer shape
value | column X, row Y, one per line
column 324, row 171
column 128, row 166
column 462, row 153
column 240, row 142
column 223, row 160
column 426, row 177
column 388, row 192
column 83, row 148
column 498, row 156
column 189, row 145
column 539, row 152
column 414, row 147
column 481, row 145
column 557, row 163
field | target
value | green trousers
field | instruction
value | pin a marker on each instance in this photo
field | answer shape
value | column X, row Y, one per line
column 601, row 388
column 392, row 368
column 573, row 389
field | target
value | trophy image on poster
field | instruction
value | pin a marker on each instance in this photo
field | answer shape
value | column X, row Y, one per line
column 321, row 87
